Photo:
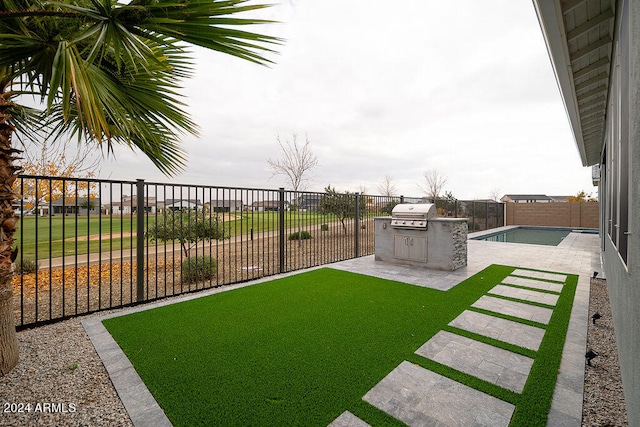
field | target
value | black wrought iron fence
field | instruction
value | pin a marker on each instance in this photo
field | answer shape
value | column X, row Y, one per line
column 88, row 245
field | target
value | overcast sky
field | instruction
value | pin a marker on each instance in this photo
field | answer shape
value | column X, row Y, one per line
column 385, row 88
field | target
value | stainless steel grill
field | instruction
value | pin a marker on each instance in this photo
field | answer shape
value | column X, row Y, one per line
column 413, row 215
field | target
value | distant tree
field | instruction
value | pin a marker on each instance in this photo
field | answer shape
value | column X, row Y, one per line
column 433, row 184
column 388, row 187
column 582, row 196
column 342, row 205
column 296, row 161
column 388, row 207
column 59, row 160
column 494, row 194
column 88, row 203
column 449, row 203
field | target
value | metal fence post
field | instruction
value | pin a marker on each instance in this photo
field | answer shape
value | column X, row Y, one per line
column 281, row 211
column 356, row 236
column 473, row 215
column 140, row 239
column 486, row 216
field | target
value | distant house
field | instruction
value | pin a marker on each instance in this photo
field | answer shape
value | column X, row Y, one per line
column 267, row 206
column 561, row 199
column 69, row 206
column 224, row 205
column 22, row 207
column 533, row 198
column 129, row 205
column 526, row 198
column 307, row 202
column 182, row 204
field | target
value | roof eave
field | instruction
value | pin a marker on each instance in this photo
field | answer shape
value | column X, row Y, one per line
column 552, row 25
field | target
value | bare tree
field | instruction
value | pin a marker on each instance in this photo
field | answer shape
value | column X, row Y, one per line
column 494, row 194
column 59, row 159
column 432, row 184
column 297, row 160
column 388, row 187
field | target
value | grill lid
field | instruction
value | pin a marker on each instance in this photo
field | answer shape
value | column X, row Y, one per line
column 413, row 215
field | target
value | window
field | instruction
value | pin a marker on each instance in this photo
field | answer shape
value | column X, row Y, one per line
column 618, row 144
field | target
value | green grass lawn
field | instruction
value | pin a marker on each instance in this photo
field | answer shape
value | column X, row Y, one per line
column 301, row 350
column 261, row 222
column 55, row 236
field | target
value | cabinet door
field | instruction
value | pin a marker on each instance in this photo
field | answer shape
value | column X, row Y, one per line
column 417, row 248
column 410, row 247
column 401, row 246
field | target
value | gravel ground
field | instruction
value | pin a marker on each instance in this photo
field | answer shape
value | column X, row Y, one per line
column 61, row 381
column 73, row 290
column 603, row 402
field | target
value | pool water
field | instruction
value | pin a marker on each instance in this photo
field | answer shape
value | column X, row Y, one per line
column 533, row 236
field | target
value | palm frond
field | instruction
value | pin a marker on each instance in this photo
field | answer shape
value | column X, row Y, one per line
column 110, row 71
column 206, row 23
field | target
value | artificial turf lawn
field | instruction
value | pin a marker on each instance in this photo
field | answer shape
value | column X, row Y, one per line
column 302, row 349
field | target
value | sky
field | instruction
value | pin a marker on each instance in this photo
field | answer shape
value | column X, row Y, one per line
column 384, row 89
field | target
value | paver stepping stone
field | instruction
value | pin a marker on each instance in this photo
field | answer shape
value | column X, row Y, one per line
column 501, row 367
column 516, row 309
column 525, row 294
column 347, row 419
column 541, row 275
column 501, row 329
column 420, row 397
column 532, row 283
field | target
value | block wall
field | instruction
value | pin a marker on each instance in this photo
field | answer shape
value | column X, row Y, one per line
column 572, row 214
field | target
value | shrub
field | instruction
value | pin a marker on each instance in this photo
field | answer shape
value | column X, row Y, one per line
column 198, row 268
column 26, row 266
column 324, row 227
column 300, row 235
column 386, row 209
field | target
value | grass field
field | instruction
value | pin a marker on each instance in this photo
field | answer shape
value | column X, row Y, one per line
column 55, row 236
column 301, row 350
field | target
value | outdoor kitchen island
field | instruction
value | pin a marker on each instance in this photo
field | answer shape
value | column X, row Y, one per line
column 414, row 235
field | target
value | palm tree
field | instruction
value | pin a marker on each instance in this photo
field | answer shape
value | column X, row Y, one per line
column 107, row 72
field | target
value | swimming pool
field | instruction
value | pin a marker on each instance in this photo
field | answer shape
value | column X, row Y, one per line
column 550, row 236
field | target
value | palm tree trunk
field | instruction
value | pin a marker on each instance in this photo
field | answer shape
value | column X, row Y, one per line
column 8, row 174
